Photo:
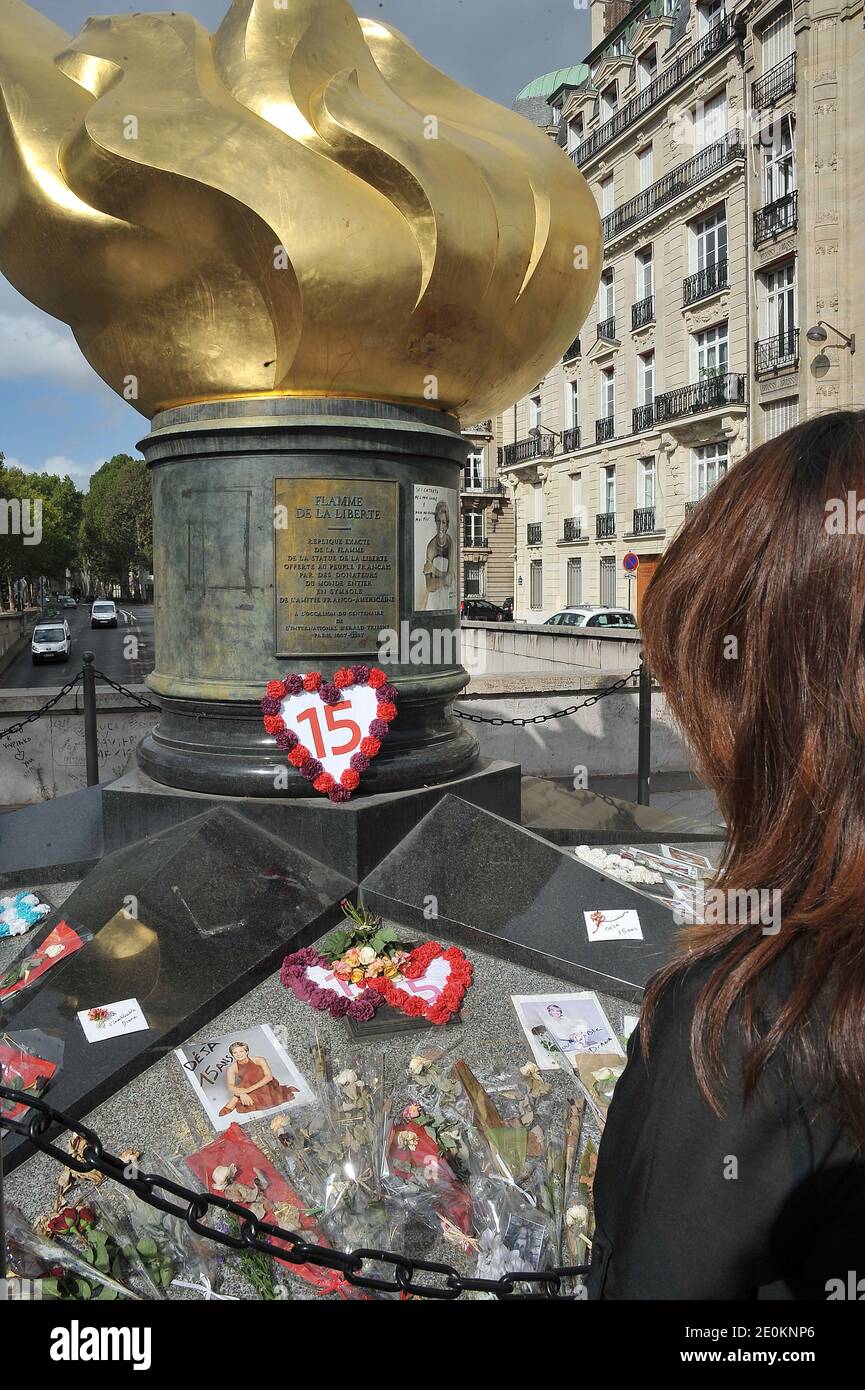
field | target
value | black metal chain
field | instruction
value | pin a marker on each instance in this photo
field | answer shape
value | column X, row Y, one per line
column 37, row 714
column 557, row 714
column 130, row 694
column 195, row 1207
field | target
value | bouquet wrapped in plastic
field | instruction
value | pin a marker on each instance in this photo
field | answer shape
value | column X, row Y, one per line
column 87, row 1226
column 29, row 1060
column 62, row 1272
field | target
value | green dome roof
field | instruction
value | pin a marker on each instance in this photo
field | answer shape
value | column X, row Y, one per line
column 551, row 81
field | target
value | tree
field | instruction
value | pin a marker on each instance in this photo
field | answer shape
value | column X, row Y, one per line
column 117, row 524
column 40, row 517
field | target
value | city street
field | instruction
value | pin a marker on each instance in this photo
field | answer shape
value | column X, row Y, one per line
column 110, row 644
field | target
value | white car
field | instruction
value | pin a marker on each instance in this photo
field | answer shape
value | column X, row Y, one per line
column 593, row 615
column 51, row 642
column 103, row 613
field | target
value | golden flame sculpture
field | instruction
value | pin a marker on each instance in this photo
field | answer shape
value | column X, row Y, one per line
column 296, row 204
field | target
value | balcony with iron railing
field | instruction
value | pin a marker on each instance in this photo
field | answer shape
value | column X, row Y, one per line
column 571, row 440
column 642, row 418
column 703, row 283
column 524, row 450
column 605, row 428
column 480, row 428
column 573, row 530
column 678, row 181
column 644, row 521
column 605, row 525
column 643, row 312
column 782, row 350
column 482, row 485
column 534, row 533
column 607, row 329
column 774, row 84
column 782, row 215
column 572, row 352
column 713, row 391
column 693, row 58
column 474, row 539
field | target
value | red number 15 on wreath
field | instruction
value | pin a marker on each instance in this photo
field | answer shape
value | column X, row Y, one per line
column 334, row 726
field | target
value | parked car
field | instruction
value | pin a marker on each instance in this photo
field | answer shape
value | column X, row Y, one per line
column 51, row 642
column 67, row 601
column 592, row 615
column 480, row 610
column 103, row 613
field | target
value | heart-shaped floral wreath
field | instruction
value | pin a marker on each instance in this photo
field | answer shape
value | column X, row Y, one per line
column 330, row 693
column 360, row 1001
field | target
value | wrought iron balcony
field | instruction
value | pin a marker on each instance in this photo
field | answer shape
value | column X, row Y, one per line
column 605, row 525
column 691, row 507
column 780, row 351
column 573, row 528
column 526, row 449
column 573, row 351
column 605, row 428
column 717, row 38
column 607, row 328
column 534, row 532
column 643, row 312
column 644, row 520
column 477, row 484
column 702, row 283
column 482, row 427
column 723, row 388
column 474, row 540
column 774, row 84
column 780, row 216
column 571, row 440
column 643, row 417
column 675, row 183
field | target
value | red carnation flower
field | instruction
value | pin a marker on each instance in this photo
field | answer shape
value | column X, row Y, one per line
column 274, row 723
column 414, row 1006
column 370, row 746
column 275, row 689
column 299, row 755
column 312, row 680
column 377, row 677
column 343, row 677
column 350, row 779
column 324, row 782
column 387, row 712
column 339, row 793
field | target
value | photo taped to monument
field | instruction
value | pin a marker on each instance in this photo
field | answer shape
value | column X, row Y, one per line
column 436, row 553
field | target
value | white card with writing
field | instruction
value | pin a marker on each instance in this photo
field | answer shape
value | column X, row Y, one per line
column 619, row 924
column 112, row 1020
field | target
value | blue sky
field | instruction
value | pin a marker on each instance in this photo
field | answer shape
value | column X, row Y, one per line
column 56, row 415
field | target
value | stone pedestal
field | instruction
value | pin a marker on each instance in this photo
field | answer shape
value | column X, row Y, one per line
column 251, row 498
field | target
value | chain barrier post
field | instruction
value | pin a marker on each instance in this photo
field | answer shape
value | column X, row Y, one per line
column 90, row 745
column 644, row 737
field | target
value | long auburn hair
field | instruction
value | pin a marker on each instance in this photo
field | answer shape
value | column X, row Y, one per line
column 754, row 625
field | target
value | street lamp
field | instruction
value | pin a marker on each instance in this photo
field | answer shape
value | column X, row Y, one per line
column 818, row 334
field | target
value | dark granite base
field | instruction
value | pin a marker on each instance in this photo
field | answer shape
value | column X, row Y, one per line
column 352, row 838
column 559, row 812
column 54, row 842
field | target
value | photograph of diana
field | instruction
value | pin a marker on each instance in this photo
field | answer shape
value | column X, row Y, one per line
column 435, row 549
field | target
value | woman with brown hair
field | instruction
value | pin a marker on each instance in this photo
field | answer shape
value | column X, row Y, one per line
column 733, row 1161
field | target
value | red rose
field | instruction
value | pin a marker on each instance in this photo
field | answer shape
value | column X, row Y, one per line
column 387, row 712
column 298, row 756
column 377, row 678
column 370, row 746
column 274, row 724
column 275, row 689
column 343, row 677
column 324, row 782
column 350, row 779
column 312, row 680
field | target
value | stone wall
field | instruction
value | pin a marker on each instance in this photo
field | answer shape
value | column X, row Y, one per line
column 506, row 648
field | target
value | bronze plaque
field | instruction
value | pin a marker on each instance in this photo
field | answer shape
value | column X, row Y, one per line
column 336, row 549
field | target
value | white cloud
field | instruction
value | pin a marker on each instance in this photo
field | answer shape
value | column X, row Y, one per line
column 60, row 466
column 33, row 345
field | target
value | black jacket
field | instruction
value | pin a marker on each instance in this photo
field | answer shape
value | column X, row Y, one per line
column 764, row 1203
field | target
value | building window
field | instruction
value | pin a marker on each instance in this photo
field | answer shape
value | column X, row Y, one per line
column 647, row 67
column 710, row 463
column 711, row 351
column 607, row 195
column 645, row 274
column 646, row 378
column 777, row 306
column 777, row 41
column 538, row 501
column 608, row 392
column 710, row 121
column 609, row 489
column 473, row 528
column 575, row 132
column 609, row 101
column 709, row 14
column 646, row 479
column 607, row 296
column 536, row 584
column 646, row 168
column 474, row 580
column 534, row 412
column 779, row 416
column 573, row 406
column 779, row 164
column 576, row 498
column 608, row 581
column 709, row 240
column 575, row 582
column 473, row 472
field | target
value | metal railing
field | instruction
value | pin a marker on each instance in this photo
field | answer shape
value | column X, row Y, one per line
column 607, row 328
column 526, row 449
column 573, row 351
column 605, row 525
column 605, row 429
column 774, row 84
column 691, row 507
column 725, row 388
column 643, row 312
column 702, row 283
column 687, row 175
column 534, row 531
column 573, row 528
column 642, row 418
column 571, row 439
column 474, row 540
column 780, row 351
column 782, row 215
column 481, row 484
column 717, row 38
column 644, row 520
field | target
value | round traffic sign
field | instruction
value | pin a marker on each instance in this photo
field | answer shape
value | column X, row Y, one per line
column 631, row 563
